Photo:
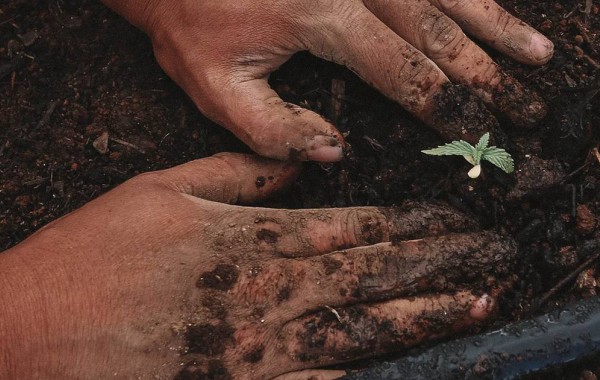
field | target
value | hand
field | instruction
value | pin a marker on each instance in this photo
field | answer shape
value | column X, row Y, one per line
column 222, row 52
column 159, row 278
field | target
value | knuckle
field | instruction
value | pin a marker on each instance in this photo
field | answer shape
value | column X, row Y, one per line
column 419, row 77
column 488, row 75
column 502, row 23
column 326, row 22
column 264, row 129
column 350, row 228
column 365, row 226
column 442, row 37
column 268, row 286
column 408, row 67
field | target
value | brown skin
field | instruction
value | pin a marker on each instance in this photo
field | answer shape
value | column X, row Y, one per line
column 222, row 52
column 159, row 278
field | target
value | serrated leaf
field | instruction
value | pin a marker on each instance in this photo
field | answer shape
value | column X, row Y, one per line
column 483, row 142
column 477, row 156
column 460, row 148
column 480, row 147
column 499, row 157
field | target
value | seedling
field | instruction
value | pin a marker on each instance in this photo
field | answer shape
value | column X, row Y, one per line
column 474, row 154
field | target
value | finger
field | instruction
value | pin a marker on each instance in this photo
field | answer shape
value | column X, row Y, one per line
column 362, row 42
column 443, row 41
column 229, row 85
column 268, row 125
column 286, row 289
column 228, row 177
column 385, row 271
column 339, row 335
column 304, row 233
column 489, row 22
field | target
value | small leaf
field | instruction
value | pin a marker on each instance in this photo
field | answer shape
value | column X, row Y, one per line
column 500, row 158
column 483, row 142
column 460, row 148
column 480, row 147
column 477, row 156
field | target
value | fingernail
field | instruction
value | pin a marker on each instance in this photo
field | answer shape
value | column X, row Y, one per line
column 540, row 47
column 482, row 308
column 325, row 149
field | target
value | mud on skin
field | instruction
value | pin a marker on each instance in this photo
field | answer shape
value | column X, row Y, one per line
column 361, row 333
column 458, row 114
column 435, row 264
column 209, row 339
column 223, row 277
column 523, row 106
column 413, row 220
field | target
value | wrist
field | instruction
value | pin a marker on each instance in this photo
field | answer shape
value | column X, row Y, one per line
column 20, row 321
column 38, row 318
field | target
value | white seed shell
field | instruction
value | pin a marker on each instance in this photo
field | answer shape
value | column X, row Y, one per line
column 475, row 171
column 469, row 159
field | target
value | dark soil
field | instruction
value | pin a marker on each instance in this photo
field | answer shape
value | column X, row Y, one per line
column 76, row 80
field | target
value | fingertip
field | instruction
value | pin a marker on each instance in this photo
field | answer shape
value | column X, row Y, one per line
column 231, row 177
column 325, row 149
column 277, row 129
column 482, row 308
column 541, row 48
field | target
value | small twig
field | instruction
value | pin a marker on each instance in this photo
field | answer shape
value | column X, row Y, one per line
column 337, row 315
column 579, row 89
column 338, row 90
column 584, row 33
column 35, row 182
column 13, row 81
column 596, row 154
column 163, row 139
column 376, row 145
column 570, row 175
column 575, row 8
column 11, row 66
column 562, row 283
column 48, row 114
column 587, row 9
column 585, row 165
column 535, row 72
column 7, row 21
column 592, row 61
column 127, row 144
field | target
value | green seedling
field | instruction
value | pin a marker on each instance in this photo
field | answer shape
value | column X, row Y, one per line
column 474, row 154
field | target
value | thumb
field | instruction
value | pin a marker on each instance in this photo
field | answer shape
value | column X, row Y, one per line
column 230, row 177
column 254, row 112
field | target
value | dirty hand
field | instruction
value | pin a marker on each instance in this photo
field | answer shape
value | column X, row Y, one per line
column 222, row 52
column 160, row 277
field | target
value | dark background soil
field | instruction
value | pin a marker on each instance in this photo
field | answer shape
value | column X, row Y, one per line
column 72, row 70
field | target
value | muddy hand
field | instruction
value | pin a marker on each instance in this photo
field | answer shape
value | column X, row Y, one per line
column 222, row 52
column 158, row 277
